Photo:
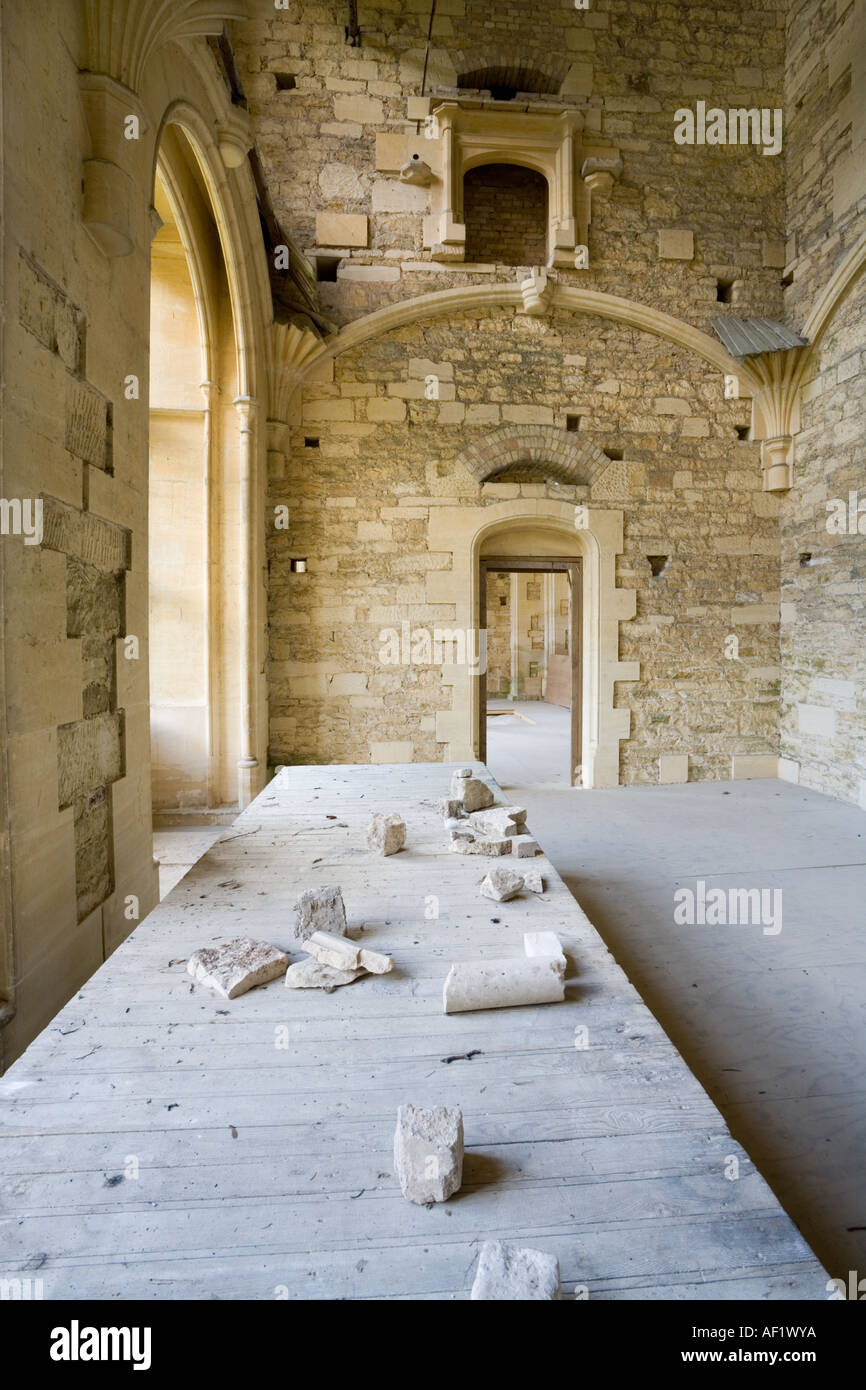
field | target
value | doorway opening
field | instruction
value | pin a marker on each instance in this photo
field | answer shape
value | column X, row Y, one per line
column 531, row 609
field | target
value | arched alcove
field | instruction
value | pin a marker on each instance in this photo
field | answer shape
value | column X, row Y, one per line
column 505, row 211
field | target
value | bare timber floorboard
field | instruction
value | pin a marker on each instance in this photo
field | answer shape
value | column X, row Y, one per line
column 261, row 1128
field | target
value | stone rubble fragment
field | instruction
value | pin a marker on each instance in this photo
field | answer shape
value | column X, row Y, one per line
column 471, row 792
column 449, row 808
column 502, row 984
column 236, row 966
column 546, row 944
column 515, row 1273
column 488, row 847
column 498, row 820
column 524, row 846
column 386, row 834
column 312, row 974
column 501, row 885
column 322, row 909
column 462, row 832
column 344, row 954
column 533, row 882
column 428, row 1152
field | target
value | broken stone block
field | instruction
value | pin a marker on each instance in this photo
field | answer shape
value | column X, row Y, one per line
column 501, row 885
column 515, row 1272
column 476, row 795
column 546, row 944
column 386, row 834
column 498, row 820
column 533, row 882
column 502, row 984
column 313, row 974
column 344, row 954
column 461, row 832
column 320, row 910
column 449, row 808
column 236, row 966
column 428, row 1152
column 488, row 847
column 524, row 846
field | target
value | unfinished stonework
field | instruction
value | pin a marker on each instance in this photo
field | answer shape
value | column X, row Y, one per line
column 515, row 1272
column 498, row 821
column 386, row 834
column 485, row 848
column 428, row 1152
column 237, row 966
column 470, row 792
column 320, row 909
column 546, row 944
column 501, row 885
column 502, row 984
column 314, row 974
column 344, row 954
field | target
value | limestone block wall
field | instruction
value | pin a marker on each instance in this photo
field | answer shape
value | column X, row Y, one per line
column 333, row 144
column 76, row 724
column 366, row 506
column 823, row 711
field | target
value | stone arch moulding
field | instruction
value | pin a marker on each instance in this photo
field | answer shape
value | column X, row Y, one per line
column 572, row 297
column 572, row 462
column 462, row 531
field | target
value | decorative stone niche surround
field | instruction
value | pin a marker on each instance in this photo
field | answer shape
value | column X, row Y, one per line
column 555, row 142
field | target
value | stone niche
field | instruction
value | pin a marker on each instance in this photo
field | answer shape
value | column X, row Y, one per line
column 469, row 132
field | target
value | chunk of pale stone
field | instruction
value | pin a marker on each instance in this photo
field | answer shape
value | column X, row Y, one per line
column 386, row 833
column 501, row 885
column 458, row 783
column 525, row 847
column 428, row 1152
column 313, row 974
column 515, row 1272
column 236, row 966
column 502, row 984
column 533, row 882
column 498, row 820
column 460, row 832
column 450, row 808
column 344, row 954
column 544, row 943
column 488, row 847
column 321, row 910
column 476, row 795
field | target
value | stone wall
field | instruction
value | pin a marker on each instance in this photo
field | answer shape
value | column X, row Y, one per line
column 823, row 712
column 679, row 221
column 362, row 504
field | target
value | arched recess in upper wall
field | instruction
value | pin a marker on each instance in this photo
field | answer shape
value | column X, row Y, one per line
column 550, row 450
column 485, row 69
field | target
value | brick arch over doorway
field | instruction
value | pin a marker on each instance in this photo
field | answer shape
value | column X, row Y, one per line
column 555, row 449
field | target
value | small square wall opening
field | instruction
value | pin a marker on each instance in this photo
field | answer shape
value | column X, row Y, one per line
column 311, row 441
column 572, row 423
column 326, row 269
column 285, row 81
column 741, row 431
column 724, row 291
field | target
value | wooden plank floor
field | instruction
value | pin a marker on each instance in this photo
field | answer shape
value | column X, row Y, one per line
column 161, row 1142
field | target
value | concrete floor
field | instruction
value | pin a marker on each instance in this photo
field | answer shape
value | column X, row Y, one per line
column 772, row 1025
column 536, row 730
column 178, row 847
